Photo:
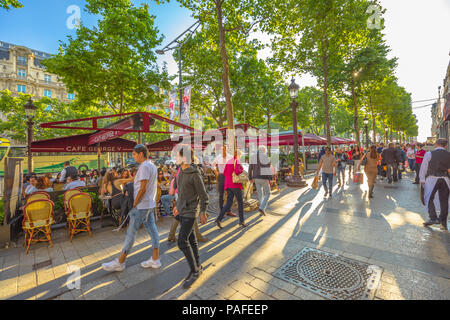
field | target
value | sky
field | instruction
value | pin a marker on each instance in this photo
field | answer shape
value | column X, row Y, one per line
column 416, row 31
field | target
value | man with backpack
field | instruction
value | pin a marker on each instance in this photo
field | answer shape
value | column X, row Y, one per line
column 260, row 173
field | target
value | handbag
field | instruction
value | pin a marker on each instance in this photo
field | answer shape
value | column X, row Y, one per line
column 239, row 178
column 364, row 162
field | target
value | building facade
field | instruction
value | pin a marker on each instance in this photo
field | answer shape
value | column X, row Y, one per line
column 21, row 71
column 444, row 125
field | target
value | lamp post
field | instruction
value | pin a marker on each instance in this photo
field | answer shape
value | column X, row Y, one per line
column 366, row 122
column 296, row 180
column 30, row 111
column 178, row 45
column 385, row 134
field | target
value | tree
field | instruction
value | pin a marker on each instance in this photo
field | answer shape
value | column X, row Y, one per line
column 7, row 4
column 229, row 21
column 48, row 110
column 313, row 37
column 113, row 63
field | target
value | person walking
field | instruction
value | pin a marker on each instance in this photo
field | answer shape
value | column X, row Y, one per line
column 341, row 160
column 410, row 153
column 350, row 163
column 192, row 201
column 420, row 154
column 143, row 212
column 371, row 168
column 233, row 190
column 328, row 165
column 435, row 183
column 219, row 164
column 401, row 165
column 391, row 157
column 166, row 199
column 260, row 173
column 356, row 156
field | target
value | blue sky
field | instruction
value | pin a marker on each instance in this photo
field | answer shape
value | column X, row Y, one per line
column 40, row 24
column 416, row 31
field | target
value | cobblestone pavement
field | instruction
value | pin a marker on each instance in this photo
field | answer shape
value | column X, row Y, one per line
column 238, row 263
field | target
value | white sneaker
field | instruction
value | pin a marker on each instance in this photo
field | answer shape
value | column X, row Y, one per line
column 150, row 263
column 113, row 265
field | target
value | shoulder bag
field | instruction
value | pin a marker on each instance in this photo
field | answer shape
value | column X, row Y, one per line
column 241, row 178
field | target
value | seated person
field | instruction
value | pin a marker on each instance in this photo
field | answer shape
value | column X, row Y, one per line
column 43, row 184
column 32, row 185
column 162, row 184
column 73, row 182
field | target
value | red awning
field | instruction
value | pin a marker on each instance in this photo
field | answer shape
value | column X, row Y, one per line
column 80, row 144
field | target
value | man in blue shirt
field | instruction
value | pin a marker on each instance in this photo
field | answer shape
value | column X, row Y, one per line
column 73, row 182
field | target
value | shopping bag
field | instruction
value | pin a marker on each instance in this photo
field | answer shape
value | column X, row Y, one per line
column 358, row 178
column 315, row 183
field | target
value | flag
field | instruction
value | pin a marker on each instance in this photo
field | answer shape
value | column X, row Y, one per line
column 185, row 110
column 173, row 98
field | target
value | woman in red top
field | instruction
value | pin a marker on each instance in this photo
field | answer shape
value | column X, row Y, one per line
column 233, row 190
column 419, row 158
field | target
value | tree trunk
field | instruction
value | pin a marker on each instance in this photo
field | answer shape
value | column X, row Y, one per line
column 374, row 123
column 356, row 113
column 392, row 124
column 121, row 100
column 325, row 92
column 268, row 132
column 225, row 77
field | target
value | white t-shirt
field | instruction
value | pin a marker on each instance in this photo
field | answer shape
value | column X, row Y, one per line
column 410, row 153
column 221, row 162
column 146, row 171
column 74, row 184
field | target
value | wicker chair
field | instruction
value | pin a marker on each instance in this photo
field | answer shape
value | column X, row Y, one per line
column 37, row 219
column 38, row 195
column 79, row 214
column 66, row 197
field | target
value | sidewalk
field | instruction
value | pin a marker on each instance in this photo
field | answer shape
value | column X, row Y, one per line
column 241, row 263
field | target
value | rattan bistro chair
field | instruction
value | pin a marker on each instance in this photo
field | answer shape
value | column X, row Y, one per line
column 79, row 214
column 67, row 195
column 37, row 219
column 38, row 195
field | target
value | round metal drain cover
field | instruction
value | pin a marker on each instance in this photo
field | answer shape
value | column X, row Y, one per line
column 329, row 273
column 331, row 276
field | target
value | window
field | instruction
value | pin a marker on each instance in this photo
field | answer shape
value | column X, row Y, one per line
column 22, row 61
column 48, row 108
column 153, row 108
column 48, row 93
column 165, row 100
column 71, row 96
column 21, row 73
column 176, row 112
column 21, row 88
column 47, row 78
column 166, row 110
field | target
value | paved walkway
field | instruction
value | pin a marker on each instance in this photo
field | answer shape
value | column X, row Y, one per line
column 239, row 263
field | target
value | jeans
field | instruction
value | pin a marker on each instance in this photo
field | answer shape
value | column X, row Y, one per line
column 392, row 172
column 166, row 200
column 187, row 242
column 137, row 218
column 417, row 168
column 329, row 177
column 263, row 189
column 411, row 163
column 340, row 171
column 221, row 186
column 231, row 193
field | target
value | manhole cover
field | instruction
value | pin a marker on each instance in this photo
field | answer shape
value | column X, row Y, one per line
column 331, row 276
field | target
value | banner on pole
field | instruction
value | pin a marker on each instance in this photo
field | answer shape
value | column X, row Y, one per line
column 185, row 110
column 173, row 98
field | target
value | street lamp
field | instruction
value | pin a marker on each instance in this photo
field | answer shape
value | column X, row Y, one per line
column 30, row 111
column 385, row 134
column 366, row 122
column 296, row 180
